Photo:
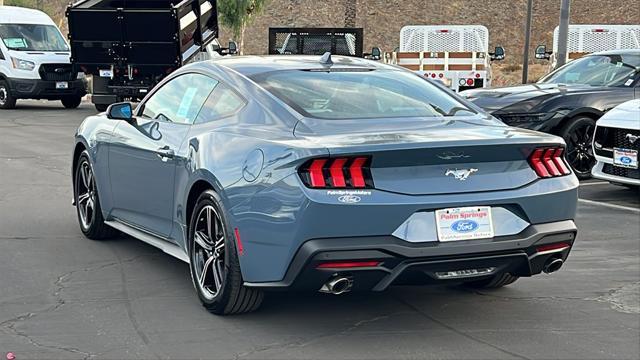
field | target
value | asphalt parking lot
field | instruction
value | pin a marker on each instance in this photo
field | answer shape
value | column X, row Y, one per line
column 65, row 297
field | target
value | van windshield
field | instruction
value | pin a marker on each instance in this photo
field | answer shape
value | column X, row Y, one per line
column 32, row 37
column 350, row 94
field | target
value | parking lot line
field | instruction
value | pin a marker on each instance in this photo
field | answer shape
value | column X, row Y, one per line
column 613, row 206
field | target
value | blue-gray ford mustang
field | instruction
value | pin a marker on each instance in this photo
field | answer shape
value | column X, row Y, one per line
column 319, row 173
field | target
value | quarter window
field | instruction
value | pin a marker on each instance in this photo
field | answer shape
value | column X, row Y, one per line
column 180, row 99
column 221, row 102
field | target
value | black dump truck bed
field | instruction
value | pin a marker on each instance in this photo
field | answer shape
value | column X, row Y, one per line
column 316, row 41
column 130, row 45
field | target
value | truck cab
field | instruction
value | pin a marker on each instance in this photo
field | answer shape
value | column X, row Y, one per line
column 34, row 60
column 456, row 55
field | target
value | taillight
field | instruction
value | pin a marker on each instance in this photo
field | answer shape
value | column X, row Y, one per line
column 548, row 162
column 337, row 173
column 470, row 82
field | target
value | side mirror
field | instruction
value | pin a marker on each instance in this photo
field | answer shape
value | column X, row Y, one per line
column 498, row 54
column 376, row 53
column 542, row 53
column 120, row 111
column 233, row 48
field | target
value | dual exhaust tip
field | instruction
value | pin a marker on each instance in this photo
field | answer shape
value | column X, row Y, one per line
column 337, row 285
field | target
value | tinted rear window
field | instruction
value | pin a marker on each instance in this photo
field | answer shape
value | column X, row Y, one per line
column 343, row 94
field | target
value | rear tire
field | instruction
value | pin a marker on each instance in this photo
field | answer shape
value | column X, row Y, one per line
column 214, row 263
column 71, row 102
column 87, row 202
column 7, row 101
column 495, row 282
column 101, row 107
column 578, row 134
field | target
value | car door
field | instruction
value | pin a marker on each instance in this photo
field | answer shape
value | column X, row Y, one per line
column 144, row 153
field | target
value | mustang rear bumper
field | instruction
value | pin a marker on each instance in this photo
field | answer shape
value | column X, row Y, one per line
column 400, row 262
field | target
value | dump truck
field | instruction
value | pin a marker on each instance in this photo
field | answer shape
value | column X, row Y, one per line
column 128, row 46
column 456, row 55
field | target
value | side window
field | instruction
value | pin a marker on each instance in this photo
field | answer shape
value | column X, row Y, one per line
column 221, row 102
column 180, row 99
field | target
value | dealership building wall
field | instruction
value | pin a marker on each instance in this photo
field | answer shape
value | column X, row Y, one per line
column 383, row 19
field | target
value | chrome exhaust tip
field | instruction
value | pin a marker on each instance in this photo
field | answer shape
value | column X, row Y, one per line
column 337, row 285
column 552, row 265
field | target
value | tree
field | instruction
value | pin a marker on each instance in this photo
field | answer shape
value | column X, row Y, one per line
column 237, row 14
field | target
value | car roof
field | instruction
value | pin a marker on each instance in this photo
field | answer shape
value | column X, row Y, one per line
column 252, row 65
column 20, row 15
column 618, row 52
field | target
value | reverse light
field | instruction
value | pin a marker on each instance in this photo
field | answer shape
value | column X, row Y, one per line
column 549, row 162
column 23, row 64
column 337, row 173
column 348, row 264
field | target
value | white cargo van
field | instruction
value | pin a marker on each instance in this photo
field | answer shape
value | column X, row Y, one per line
column 587, row 39
column 34, row 60
column 456, row 55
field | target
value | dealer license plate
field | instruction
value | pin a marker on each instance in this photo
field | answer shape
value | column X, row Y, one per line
column 467, row 223
column 62, row 85
column 625, row 158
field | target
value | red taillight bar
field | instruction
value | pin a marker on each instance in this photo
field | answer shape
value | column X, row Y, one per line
column 551, row 247
column 315, row 173
column 343, row 172
column 548, row 162
column 348, row 264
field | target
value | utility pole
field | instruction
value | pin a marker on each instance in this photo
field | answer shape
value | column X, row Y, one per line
column 527, row 42
column 563, row 32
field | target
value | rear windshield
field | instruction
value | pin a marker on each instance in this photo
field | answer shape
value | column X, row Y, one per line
column 339, row 94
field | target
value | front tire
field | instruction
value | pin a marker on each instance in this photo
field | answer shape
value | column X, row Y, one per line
column 71, row 102
column 7, row 101
column 578, row 134
column 495, row 282
column 101, row 107
column 87, row 202
column 214, row 263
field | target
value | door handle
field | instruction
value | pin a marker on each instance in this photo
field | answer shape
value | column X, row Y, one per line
column 165, row 153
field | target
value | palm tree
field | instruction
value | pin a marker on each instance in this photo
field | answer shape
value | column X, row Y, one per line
column 350, row 12
column 237, row 14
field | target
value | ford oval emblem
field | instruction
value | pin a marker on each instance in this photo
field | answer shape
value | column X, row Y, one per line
column 464, row 226
column 349, row 199
column 625, row 160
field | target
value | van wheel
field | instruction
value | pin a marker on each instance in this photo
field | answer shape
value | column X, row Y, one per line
column 71, row 102
column 101, row 107
column 7, row 101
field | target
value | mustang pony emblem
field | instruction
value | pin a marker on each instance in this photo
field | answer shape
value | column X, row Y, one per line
column 632, row 138
column 461, row 174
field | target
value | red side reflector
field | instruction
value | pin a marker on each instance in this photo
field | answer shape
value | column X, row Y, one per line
column 477, row 75
column 357, row 177
column 239, row 242
column 559, row 161
column 550, row 247
column 549, row 163
column 337, row 175
column 469, row 82
column 444, row 31
column 536, row 163
column 348, row 264
column 315, row 172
